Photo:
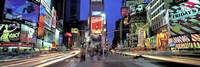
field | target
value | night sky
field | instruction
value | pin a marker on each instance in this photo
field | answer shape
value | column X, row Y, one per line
column 112, row 11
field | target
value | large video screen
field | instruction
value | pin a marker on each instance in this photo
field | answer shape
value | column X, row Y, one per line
column 96, row 24
column 27, row 34
column 9, row 32
column 48, row 36
column 21, row 9
column 40, row 32
column 60, row 40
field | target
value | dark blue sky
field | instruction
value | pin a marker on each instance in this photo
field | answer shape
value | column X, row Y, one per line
column 112, row 11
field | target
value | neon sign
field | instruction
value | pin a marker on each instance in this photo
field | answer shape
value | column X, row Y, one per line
column 8, row 44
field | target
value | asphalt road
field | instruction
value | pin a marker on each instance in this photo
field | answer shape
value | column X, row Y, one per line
column 41, row 61
column 28, row 61
column 115, row 60
column 169, row 64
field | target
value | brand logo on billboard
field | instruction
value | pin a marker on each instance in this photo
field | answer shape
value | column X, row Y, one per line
column 9, row 32
column 183, row 13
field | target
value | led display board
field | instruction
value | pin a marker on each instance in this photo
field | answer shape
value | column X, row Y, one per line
column 96, row 24
column 9, row 32
column 21, row 10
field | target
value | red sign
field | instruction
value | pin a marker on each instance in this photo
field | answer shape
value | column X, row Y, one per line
column 68, row 34
column 96, row 24
column 8, row 44
column 41, row 26
column 26, row 39
column 195, row 37
column 124, row 11
column 54, row 19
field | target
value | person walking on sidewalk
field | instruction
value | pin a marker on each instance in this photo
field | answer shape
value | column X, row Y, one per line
column 83, row 55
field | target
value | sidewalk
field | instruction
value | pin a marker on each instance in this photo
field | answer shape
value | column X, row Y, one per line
column 114, row 60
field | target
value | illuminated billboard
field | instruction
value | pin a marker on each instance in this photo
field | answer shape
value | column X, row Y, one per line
column 21, row 9
column 49, row 36
column 9, row 32
column 40, row 31
column 184, row 18
column 195, row 37
column 124, row 11
column 47, row 5
column 74, row 30
column 96, row 24
column 27, row 34
column 60, row 40
column 57, row 37
column 54, row 19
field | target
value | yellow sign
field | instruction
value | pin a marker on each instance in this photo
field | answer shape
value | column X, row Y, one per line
column 74, row 30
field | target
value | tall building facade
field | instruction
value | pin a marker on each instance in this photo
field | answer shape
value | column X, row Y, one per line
column 163, row 16
column 72, row 20
column 36, row 25
column 97, row 22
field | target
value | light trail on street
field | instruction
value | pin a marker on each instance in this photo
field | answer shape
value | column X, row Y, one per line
column 41, row 61
column 184, row 60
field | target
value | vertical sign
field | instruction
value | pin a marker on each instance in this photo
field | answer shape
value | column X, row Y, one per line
column 96, row 24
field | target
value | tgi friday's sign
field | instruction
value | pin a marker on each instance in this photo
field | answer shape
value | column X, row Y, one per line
column 184, row 18
column 183, row 13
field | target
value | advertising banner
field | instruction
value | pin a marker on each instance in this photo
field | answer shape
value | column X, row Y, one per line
column 48, row 20
column 47, row 45
column 60, row 40
column 49, row 37
column 195, row 37
column 40, row 31
column 54, row 19
column 27, row 34
column 96, row 24
column 21, row 9
column 9, row 32
column 184, row 18
column 57, row 37
column 8, row 44
column 161, row 39
column 74, row 30
column 47, row 5
column 124, row 11
column 179, row 39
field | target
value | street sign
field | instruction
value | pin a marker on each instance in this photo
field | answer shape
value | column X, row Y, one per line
column 74, row 30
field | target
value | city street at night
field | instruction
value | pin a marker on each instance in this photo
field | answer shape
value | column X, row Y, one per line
column 99, row 33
